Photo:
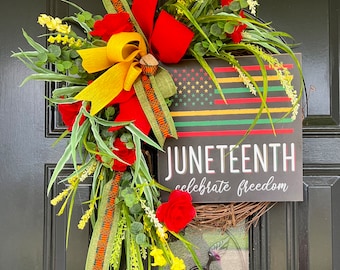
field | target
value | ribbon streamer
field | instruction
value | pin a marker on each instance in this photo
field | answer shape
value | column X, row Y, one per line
column 119, row 58
column 151, row 97
column 100, row 250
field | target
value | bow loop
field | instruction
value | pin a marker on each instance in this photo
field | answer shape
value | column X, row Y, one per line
column 119, row 57
column 121, row 47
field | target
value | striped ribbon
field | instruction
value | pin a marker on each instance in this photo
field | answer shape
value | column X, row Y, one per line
column 99, row 252
column 151, row 97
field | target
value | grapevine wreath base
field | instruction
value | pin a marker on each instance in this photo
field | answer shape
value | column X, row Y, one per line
column 224, row 216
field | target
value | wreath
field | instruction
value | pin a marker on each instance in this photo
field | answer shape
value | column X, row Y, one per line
column 114, row 94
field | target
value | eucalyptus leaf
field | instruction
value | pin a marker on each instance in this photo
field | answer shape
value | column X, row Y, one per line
column 87, row 15
column 74, row 54
column 67, row 64
column 81, row 17
column 243, row 3
column 141, row 239
column 43, row 57
column 235, row 6
column 136, row 209
column 229, row 27
column 74, row 70
column 136, row 227
column 109, row 112
column 215, row 30
column 54, row 49
column 60, row 67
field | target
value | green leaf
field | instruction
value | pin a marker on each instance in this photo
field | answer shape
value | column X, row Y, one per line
column 51, row 57
column 28, row 54
column 74, row 54
column 134, row 130
column 33, row 43
column 135, row 209
column 129, row 197
column 81, row 18
column 66, row 91
column 235, row 6
column 141, row 239
column 136, row 227
column 54, row 77
column 219, row 43
column 92, row 146
column 126, row 137
column 130, row 145
column 199, row 49
column 229, row 27
column 215, row 30
column 109, row 113
column 73, row 5
column 243, row 3
column 87, row 15
column 60, row 165
column 67, row 64
column 74, row 70
column 54, row 49
column 43, row 57
column 220, row 24
column 205, row 44
column 60, row 67
column 212, row 47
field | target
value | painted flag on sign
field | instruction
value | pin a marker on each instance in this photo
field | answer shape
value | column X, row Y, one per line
column 199, row 110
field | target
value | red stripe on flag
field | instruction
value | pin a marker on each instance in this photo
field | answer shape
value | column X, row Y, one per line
column 248, row 68
column 250, row 100
column 233, row 132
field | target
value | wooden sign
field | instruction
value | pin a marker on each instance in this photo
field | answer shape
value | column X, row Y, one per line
column 207, row 159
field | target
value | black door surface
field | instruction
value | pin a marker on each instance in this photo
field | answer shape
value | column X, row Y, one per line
column 304, row 235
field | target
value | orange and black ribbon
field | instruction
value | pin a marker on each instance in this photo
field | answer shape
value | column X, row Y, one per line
column 151, row 96
column 100, row 250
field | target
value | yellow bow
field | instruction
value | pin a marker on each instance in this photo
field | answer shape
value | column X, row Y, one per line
column 119, row 58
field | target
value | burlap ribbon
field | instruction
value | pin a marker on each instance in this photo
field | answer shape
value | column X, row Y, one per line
column 154, row 85
column 100, row 249
column 119, row 58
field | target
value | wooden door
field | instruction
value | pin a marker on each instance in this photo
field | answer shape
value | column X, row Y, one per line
column 302, row 235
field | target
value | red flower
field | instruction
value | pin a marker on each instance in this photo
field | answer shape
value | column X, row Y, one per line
column 125, row 154
column 177, row 212
column 226, row 2
column 69, row 112
column 236, row 36
column 130, row 110
column 128, row 155
column 112, row 24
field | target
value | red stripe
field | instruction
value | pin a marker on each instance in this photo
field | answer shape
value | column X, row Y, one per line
column 248, row 68
column 250, row 100
column 233, row 132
